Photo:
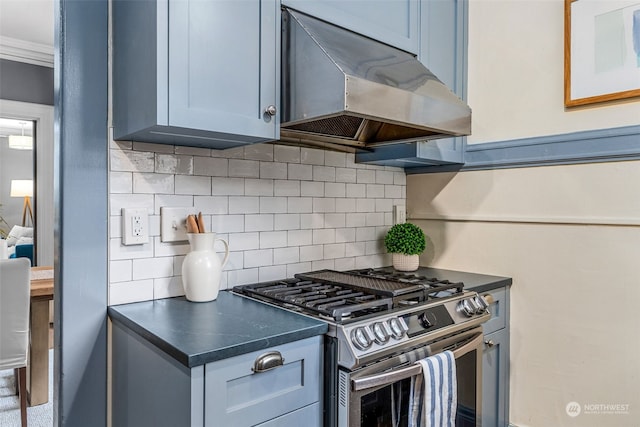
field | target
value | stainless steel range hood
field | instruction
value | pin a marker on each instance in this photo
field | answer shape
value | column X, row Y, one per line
column 341, row 89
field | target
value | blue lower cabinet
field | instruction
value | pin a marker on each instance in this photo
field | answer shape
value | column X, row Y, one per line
column 150, row 388
column 495, row 362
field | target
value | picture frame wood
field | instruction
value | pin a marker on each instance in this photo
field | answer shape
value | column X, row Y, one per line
column 601, row 51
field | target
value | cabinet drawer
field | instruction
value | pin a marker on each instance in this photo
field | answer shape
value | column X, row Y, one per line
column 498, row 311
column 309, row 416
column 237, row 396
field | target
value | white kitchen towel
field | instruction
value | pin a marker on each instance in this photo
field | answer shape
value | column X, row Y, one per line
column 434, row 394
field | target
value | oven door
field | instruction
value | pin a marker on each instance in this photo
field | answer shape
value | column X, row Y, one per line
column 378, row 394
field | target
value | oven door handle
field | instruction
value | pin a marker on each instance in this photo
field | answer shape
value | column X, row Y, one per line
column 390, row 377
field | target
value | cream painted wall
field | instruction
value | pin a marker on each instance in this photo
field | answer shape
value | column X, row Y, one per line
column 516, row 74
column 569, row 236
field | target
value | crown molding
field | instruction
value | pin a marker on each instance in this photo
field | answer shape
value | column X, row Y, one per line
column 24, row 51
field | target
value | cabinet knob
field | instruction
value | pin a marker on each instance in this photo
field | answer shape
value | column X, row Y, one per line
column 271, row 110
column 489, row 343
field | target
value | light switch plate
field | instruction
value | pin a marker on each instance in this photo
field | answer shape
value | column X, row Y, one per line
column 173, row 224
column 135, row 226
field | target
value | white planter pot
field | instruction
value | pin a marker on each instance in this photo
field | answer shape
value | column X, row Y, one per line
column 402, row 262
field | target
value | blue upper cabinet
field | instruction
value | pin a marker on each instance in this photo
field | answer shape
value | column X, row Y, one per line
column 199, row 73
column 442, row 49
column 394, row 22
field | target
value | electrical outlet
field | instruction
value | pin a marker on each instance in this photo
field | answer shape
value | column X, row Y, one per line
column 399, row 214
column 173, row 224
column 135, row 226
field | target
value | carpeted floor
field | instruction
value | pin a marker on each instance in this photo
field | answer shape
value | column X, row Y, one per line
column 37, row 416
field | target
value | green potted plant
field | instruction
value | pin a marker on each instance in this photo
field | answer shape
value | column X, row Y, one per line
column 405, row 242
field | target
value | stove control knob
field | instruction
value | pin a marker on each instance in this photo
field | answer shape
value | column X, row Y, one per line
column 398, row 327
column 467, row 307
column 360, row 338
column 481, row 303
column 380, row 334
column 424, row 321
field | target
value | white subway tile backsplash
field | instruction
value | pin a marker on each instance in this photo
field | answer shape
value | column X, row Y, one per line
column 287, row 221
column 174, row 164
column 152, row 268
column 244, row 168
column 273, row 204
column 365, row 205
column 259, row 152
column 153, row 183
column 324, row 173
column 324, row 235
column 384, row 177
column 244, row 205
column 273, row 170
column 258, row 187
column 286, row 188
column 210, row 166
column 334, row 189
column 286, row 255
column 121, row 182
column 131, row 161
column 324, row 204
column 120, row 271
column 258, row 258
column 311, row 221
column 300, row 172
column 196, row 185
column 168, row 287
column 283, row 209
column 299, row 204
column 227, row 186
column 375, row 191
column 126, row 292
column 299, row 237
column 327, row 264
column 301, row 267
column 356, row 190
column 311, row 253
column 259, row 222
column 170, row 200
column 345, row 205
column 312, row 156
column 286, row 154
column 227, row 223
column 365, row 176
column 345, row 175
column 273, row 272
column 312, row 189
column 335, row 158
column 244, row 241
column 356, row 220
column 273, row 239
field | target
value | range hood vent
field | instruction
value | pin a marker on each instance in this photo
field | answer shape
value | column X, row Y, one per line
column 345, row 91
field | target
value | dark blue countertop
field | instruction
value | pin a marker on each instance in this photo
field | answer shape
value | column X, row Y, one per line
column 472, row 281
column 199, row 333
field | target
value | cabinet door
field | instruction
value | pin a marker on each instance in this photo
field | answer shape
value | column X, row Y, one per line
column 394, row 22
column 495, row 379
column 223, row 70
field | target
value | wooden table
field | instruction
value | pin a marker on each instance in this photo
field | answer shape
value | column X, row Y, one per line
column 38, row 368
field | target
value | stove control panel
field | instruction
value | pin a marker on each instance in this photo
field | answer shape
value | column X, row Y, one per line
column 380, row 333
column 473, row 305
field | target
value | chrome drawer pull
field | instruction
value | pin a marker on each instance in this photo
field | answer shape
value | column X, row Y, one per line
column 267, row 362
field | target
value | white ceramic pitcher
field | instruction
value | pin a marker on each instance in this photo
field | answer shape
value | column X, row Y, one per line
column 201, row 269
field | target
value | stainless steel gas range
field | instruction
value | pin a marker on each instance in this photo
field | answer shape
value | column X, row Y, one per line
column 381, row 322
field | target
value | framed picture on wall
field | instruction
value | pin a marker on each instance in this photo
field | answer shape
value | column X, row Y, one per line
column 601, row 51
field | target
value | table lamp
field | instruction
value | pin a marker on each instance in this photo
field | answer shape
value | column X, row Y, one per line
column 23, row 188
